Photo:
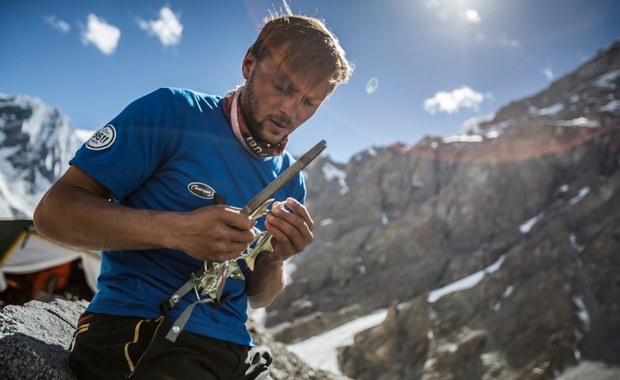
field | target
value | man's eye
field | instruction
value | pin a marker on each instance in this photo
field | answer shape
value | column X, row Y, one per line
column 282, row 87
column 309, row 102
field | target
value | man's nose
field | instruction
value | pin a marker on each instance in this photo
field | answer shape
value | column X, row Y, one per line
column 290, row 105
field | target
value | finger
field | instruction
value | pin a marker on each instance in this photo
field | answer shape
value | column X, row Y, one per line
column 297, row 236
column 232, row 217
column 220, row 231
column 296, row 221
column 300, row 210
column 283, row 246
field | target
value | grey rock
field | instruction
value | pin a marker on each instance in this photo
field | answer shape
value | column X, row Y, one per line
column 34, row 339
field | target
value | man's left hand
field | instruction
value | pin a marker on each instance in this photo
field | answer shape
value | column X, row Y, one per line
column 291, row 230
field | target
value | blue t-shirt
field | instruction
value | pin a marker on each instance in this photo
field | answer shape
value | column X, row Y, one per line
column 172, row 150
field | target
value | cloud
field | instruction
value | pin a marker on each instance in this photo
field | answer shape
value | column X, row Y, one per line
column 472, row 16
column 451, row 102
column 432, row 4
column 451, row 11
column 498, row 41
column 548, row 73
column 510, row 42
column 59, row 25
column 167, row 28
column 101, row 34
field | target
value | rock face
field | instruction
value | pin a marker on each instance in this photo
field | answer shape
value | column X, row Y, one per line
column 500, row 247
column 34, row 339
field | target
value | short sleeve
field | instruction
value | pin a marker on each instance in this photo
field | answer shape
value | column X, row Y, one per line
column 124, row 153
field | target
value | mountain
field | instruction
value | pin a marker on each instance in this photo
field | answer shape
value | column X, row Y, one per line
column 496, row 251
column 36, row 143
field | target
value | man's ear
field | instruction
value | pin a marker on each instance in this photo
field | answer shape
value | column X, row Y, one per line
column 248, row 64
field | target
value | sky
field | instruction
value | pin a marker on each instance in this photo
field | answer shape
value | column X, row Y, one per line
column 423, row 67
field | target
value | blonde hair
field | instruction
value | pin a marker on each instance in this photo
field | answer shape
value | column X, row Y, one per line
column 305, row 47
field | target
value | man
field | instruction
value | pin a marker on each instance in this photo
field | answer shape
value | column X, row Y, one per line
column 159, row 190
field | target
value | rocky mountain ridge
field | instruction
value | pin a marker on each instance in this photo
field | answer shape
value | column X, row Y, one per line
column 530, row 191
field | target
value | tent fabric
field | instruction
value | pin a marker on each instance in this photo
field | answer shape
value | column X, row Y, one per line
column 9, row 230
column 28, row 252
column 91, row 264
column 32, row 253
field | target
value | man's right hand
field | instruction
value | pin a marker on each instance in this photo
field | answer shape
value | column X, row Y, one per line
column 216, row 233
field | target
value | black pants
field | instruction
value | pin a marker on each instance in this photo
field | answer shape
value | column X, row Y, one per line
column 112, row 347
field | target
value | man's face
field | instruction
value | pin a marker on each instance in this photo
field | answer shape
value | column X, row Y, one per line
column 273, row 103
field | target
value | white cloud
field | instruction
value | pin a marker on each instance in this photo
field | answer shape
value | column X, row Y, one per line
column 167, row 28
column 498, row 41
column 510, row 42
column 431, row 4
column 548, row 73
column 451, row 102
column 101, row 34
column 472, row 16
column 59, row 25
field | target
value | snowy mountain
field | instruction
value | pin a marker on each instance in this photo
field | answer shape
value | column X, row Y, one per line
column 36, row 143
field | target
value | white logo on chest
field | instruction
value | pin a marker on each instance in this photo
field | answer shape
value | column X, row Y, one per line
column 201, row 190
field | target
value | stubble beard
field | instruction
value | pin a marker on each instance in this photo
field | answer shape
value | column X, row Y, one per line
column 249, row 106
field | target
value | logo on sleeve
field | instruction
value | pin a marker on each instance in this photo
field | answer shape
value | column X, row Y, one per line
column 201, row 190
column 103, row 138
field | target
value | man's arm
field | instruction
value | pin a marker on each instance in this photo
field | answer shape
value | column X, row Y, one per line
column 292, row 232
column 77, row 211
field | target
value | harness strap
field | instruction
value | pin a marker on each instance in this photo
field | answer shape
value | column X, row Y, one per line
column 179, row 324
column 172, row 301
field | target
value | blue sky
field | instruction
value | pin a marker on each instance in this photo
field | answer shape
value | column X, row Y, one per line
column 423, row 67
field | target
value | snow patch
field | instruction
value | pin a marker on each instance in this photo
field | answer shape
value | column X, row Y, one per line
column 326, row 222
column 321, row 351
column 582, row 312
column 467, row 282
column 578, row 122
column 547, row 111
column 607, row 80
column 492, row 135
column 577, row 198
column 330, row 172
column 472, row 125
column 573, row 243
column 507, row 293
column 612, row 107
column 527, row 225
column 462, row 138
